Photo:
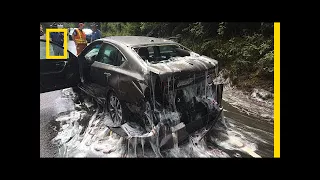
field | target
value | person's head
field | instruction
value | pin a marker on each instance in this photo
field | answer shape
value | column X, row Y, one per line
column 94, row 26
column 81, row 25
column 41, row 29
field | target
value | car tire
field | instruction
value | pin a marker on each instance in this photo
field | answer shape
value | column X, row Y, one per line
column 117, row 109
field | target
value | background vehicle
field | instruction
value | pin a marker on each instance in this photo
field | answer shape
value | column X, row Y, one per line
column 88, row 33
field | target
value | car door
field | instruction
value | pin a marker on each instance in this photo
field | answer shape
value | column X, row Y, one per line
column 131, row 84
column 57, row 74
column 104, row 71
column 87, row 57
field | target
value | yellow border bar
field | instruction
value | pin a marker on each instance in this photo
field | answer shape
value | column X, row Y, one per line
column 277, row 89
column 65, row 43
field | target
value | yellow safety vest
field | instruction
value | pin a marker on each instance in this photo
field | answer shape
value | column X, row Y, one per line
column 80, row 38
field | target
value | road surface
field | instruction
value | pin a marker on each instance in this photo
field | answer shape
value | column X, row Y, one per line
column 47, row 113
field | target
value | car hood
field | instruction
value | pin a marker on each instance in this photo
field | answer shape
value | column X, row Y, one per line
column 183, row 66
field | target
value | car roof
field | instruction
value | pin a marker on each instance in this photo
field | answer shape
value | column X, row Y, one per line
column 138, row 40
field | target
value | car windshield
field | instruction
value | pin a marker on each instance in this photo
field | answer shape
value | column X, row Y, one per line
column 154, row 54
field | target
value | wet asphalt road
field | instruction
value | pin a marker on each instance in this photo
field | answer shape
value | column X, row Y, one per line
column 255, row 130
column 51, row 105
column 47, row 113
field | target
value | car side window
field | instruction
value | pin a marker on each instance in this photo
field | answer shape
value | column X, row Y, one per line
column 121, row 58
column 151, row 53
column 93, row 52
column 54, row 50
column 108, row 55
column 167, row 51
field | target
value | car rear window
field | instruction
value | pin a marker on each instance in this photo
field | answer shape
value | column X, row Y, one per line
column 159, row 53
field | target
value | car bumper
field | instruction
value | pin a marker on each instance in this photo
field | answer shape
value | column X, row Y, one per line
column 181, row 132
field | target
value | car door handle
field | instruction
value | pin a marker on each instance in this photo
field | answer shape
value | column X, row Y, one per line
column 107, row 74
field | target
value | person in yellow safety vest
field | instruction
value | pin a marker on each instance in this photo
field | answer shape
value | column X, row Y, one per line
column 79, row 38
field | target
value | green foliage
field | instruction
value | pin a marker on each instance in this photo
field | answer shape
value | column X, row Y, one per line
column 69, row 25
column 249, row 59
column 121, row 29
column 221, row 29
